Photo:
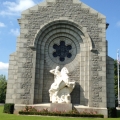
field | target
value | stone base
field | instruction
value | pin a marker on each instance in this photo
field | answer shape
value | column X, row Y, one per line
column 118, row 108
column 102, row 111
column 49, row 106
column 19, row 107
column 62, row 107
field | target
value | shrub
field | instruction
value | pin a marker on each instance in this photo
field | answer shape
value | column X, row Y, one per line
column 8, row 108
column 112, row 112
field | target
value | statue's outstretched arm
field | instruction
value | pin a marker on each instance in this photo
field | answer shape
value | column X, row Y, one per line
column 52, row 71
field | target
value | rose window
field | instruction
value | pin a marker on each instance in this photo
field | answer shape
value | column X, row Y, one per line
column 62, row 51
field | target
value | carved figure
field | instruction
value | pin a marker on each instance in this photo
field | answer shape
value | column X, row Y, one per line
column 61, row 87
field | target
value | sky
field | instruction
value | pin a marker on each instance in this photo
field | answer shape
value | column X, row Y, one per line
column 10, row 11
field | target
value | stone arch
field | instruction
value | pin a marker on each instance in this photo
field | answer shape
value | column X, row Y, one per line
column 46, row 36
column 83, row 30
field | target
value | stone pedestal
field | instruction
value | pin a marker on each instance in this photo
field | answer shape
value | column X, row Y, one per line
column 81, row 108
column 61, row 107
column 49, row 106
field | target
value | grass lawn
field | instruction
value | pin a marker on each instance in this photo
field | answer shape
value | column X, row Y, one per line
column 4, row 116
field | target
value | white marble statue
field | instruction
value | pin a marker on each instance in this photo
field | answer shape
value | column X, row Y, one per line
column 61, row 87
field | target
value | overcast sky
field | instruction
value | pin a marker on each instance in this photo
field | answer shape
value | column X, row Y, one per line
column 9, row 29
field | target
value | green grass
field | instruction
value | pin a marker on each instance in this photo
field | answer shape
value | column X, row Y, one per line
column 4, row 116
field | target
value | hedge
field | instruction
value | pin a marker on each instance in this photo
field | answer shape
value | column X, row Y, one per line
column 112, row 112
column 59, row 113
column 8, row 108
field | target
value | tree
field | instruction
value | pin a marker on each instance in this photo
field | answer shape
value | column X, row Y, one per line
column 116, row 80
column 3, row 86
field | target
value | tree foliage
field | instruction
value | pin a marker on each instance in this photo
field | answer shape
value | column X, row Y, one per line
column 3, row 86
column 116, row 80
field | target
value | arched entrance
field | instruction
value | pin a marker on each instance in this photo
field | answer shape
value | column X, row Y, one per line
column 60, row 43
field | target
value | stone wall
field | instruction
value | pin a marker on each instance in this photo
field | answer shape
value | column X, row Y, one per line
column 110, row 82
column 12, row 78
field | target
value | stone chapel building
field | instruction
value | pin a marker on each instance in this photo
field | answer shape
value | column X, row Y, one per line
column 61, row 33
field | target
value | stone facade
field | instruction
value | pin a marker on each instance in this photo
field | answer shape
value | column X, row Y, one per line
column 46, row 25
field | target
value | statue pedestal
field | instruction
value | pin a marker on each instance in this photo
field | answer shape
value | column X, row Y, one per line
column 60, row 107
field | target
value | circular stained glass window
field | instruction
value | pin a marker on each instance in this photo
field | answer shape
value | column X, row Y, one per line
column 62, row 50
